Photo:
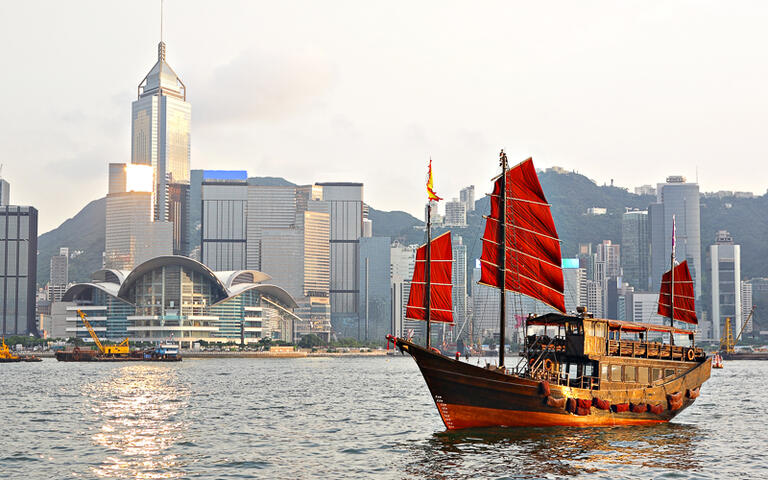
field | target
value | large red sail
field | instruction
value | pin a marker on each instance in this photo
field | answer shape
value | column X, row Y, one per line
column 441, row 259
column 533, row 258
column 685, row 309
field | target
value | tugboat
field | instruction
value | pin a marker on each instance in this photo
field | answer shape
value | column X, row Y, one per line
column 574, row 369
column 7, row 357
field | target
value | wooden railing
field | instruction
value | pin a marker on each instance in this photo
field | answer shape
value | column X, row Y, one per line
column 631, row 348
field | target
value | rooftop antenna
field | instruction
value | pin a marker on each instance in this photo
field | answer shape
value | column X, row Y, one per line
column 161, row 45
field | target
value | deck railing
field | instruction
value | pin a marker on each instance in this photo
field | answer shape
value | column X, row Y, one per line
column 632, row 348
column 541, row 345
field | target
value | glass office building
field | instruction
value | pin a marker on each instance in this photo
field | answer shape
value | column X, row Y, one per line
column 175, row 297
column 224, row 196
column 161, row 118
column 345, row 203
column 680, row 199
column 18, row 269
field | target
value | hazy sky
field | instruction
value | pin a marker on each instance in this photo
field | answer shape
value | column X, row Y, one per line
column 367, row 91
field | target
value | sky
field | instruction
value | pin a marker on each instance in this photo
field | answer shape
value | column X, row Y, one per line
column 367, row 91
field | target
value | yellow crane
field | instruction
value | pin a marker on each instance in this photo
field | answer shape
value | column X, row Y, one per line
column 120, row 349
column 727, row 342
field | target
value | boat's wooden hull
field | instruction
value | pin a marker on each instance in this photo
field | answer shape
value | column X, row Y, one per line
column 468, row 396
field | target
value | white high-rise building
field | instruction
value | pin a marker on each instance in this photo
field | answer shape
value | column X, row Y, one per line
column 459, row 280
column 596, row 298
column 610, row 254
column 160, row 131
column 58, row 275
column 467, row 197
column 726, row 284
column 746, row 306
column 455, row 214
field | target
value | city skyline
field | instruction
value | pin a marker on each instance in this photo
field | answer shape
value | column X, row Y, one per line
column 310, row 87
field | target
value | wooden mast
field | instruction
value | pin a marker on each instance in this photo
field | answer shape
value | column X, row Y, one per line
column 503, row 256
column 672, row 286
column 429, row 270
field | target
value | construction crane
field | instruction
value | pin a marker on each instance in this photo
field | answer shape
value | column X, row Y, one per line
column 120, row 349
column 727, row 342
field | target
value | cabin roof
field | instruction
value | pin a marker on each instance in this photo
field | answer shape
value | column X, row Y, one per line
column 559, row 319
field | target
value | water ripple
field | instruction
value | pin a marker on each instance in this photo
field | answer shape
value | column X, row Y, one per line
column 339, row 418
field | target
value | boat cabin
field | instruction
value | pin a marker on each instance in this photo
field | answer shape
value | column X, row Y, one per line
column 595, row 353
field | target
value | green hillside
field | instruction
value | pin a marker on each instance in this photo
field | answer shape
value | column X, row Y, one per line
column 83, row 234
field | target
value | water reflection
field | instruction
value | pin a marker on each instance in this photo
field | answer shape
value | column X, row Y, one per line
column 536, row 453
column 139, row 410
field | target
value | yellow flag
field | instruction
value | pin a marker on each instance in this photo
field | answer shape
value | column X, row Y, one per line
column 430, row 187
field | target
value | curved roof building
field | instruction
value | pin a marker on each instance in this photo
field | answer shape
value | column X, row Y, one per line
column 180, row 298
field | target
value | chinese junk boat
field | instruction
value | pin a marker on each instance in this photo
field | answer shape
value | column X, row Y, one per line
column 574, row 369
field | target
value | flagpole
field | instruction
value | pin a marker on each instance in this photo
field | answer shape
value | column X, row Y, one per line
column 429, row 270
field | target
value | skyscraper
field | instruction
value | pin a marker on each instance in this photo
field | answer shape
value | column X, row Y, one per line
column 269, row 207
column 459, row 280
column 746, row 306
column 467, row 197
column 345, row 203
column 132, row 236
column 635, row 249
column 610, row 254
column 375, row 292
column 59, row 275
column 288, row 237
column 18, row 270
column 224, row 196
column 161, row 137
column 726, row 284
column 681, row 199
column 455, row 213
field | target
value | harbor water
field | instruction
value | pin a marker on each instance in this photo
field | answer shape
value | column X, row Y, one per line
column 339, row 418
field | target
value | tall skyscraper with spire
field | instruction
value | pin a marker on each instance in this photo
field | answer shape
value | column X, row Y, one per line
column 160, row 136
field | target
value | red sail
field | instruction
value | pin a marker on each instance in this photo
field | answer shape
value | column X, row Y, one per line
column 533, row 258
column 441, row 259
column 685, row 309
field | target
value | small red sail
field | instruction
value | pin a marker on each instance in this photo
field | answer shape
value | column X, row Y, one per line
column 533, row 258
column 685, row 309
column 441, row 259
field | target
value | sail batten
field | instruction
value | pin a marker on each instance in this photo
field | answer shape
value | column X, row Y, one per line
column 684, row 296
column 532, row 247
column 440, row 284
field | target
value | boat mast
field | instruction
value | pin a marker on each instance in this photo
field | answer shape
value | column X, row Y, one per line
column 429, row 269
column 672, row 286
column 503, row 255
